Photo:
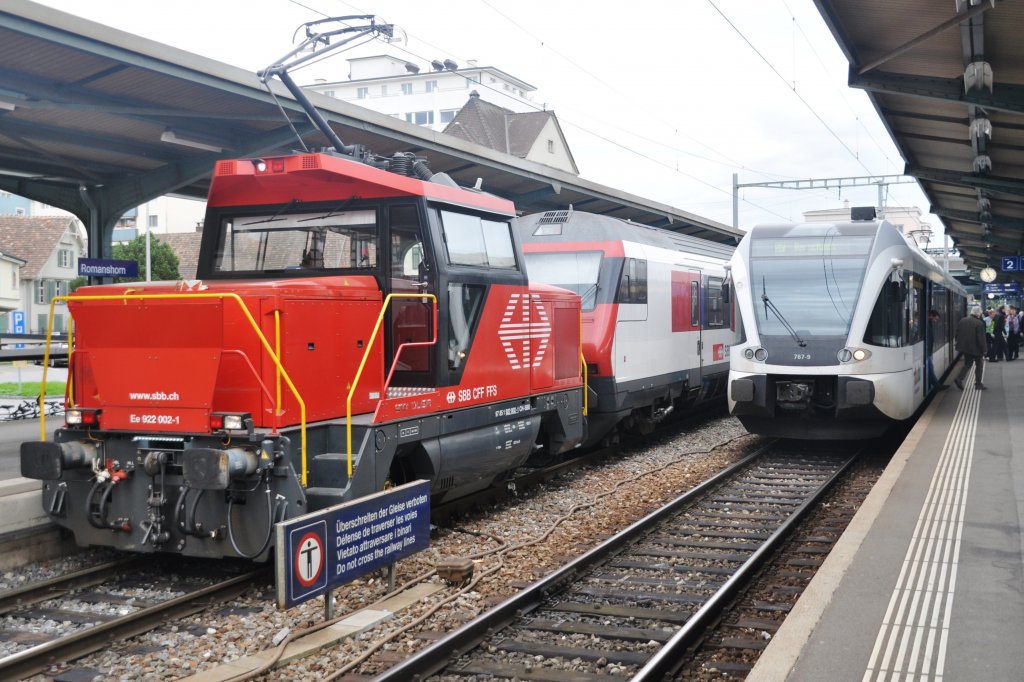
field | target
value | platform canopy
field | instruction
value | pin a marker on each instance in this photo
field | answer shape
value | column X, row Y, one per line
column 947, row 78
column 97, row 121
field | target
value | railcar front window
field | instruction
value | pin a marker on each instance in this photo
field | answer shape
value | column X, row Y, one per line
column 811, row 283
column 344, row 240
column 573, row 270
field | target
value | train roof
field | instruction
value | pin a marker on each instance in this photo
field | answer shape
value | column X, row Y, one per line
column 885, row 235
column 571, row 226
column 327, row 177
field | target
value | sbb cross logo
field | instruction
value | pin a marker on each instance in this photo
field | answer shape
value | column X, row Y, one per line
column 525, row 330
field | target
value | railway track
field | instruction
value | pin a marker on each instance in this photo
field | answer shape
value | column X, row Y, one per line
column 142, row 594
column 630, row 607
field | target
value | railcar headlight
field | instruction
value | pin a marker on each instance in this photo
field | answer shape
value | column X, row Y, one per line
column 853, row 355
column 749, row 354
column 760, row 355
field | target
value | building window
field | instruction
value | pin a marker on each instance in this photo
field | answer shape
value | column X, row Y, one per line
column 64, row 258
column 431, row 86
column 448, row 115
column 406, row 88
column 19, row 211
column 14, row 278
column 329, row 93
column 384, row 91
column 362, row 93
column 420, row 118
column 153, row 221
column 551, row 146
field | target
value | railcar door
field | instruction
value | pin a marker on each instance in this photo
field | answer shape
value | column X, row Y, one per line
column 409, row 269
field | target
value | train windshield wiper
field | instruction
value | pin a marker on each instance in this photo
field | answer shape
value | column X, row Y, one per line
column 334, row 211
column 290, row 204
column 768, row 305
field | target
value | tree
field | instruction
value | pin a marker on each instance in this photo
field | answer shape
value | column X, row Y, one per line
column 165, row 262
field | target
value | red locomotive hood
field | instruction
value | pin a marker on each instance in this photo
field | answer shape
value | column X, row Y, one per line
column 346, row 288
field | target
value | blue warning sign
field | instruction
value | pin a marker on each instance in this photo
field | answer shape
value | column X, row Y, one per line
column 322, row 550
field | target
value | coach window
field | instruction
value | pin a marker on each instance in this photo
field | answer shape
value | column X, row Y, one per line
column 717, row 310
column 633, row 284
column 694, row 303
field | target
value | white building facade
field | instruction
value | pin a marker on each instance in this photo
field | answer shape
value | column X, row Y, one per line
column 425, row 95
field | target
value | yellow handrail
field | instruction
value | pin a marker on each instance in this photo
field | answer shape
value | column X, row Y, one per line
column 138, row 297
column 366, row 354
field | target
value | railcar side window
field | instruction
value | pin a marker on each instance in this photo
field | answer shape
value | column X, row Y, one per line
column 887, row 324
column 475, row 241
column 633, row 284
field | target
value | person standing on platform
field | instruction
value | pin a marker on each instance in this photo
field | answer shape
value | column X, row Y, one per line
column 990, row 338
column 1000, row 333
column 970, row 340
column 929, row 367
column 1013, row 334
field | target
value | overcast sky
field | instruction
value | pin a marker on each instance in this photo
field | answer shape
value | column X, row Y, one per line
column 665, row 100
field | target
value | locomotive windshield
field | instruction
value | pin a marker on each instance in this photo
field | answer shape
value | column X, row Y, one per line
column 805, row 283
column 326, row 240
column 573, row 270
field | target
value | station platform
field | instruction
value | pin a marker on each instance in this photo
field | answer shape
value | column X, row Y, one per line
column 927, row 582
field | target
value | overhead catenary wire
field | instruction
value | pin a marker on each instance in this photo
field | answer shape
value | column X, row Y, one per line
column 569, row 122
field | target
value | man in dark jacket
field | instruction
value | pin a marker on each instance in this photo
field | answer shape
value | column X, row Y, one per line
column 970, row 340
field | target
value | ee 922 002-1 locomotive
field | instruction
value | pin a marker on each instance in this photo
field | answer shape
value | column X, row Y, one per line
column 336, row 303
column 836, row 328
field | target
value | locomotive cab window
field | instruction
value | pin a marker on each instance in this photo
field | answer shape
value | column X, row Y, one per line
column 475, row 241
column 280, row 242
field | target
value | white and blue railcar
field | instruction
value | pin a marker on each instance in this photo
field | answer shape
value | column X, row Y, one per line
column 836, row 330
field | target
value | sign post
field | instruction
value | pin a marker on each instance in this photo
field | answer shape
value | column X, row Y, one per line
column 320, row 551
column 18, row 325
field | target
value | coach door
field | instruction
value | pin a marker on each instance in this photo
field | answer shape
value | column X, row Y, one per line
column 686, row 322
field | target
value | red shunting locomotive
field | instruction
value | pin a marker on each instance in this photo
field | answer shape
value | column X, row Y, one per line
column 336, row 303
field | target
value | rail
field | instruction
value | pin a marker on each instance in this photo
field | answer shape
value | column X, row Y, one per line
column 146, row 297
column 366, row 355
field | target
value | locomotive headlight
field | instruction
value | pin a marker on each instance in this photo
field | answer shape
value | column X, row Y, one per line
column 861, row 354
column 760, row 355
column 749, row 354
column 228, row 421
column 77, row 416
